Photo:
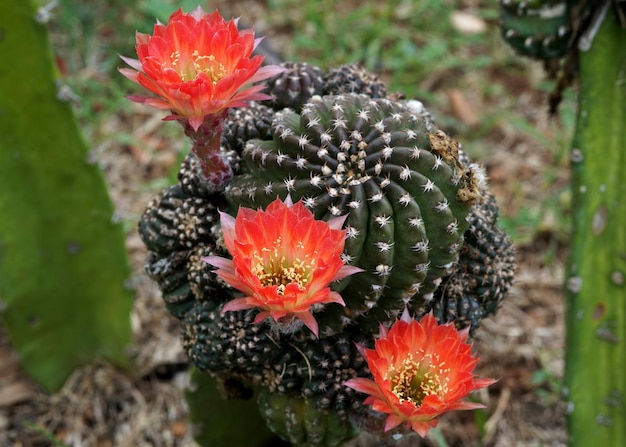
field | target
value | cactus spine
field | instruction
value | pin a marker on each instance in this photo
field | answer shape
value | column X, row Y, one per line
column 419, row 217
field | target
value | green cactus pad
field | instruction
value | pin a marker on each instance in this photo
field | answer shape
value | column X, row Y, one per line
column 396, row 176
column 64, row 295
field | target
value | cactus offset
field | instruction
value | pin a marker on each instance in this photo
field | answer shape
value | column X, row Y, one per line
column 247, row 123
column 480, row 280
column 295, row 86
column 179, row 230
column 353, row 78
column 301, row 422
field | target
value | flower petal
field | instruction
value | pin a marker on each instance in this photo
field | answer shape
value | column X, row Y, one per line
column 309, row 321
column 283, row 259
column 403, row 356
column 199, row 65
column 393, row 421
column 238, row 304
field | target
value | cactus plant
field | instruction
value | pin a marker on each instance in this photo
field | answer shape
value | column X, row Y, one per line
column 544, row 29
column 337, row 156
column 596, row 316
column 412, row 198
column 596, row 310
column 63, row 263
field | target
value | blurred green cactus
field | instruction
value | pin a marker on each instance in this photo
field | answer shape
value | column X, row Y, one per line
column 544, row 29
column 63, row 263
column 595, row 387
column 596, row 316
column 218, row 416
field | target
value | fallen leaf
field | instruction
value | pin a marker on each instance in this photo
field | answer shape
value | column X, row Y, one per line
column 16, row 392
column 179, row 428
column 461, row 108
column 467, row 23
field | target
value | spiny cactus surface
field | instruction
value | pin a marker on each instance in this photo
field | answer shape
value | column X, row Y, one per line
column 420, row 221
column 295, row 86
column 397, row 177
column 483, row 275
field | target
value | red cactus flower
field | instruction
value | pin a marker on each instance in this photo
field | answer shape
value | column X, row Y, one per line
column 198, row 65
column 421, row 370
column 283, row 260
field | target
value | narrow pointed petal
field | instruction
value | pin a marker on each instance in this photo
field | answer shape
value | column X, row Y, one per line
column 334, row 297
column 336, row 223
column 238, row 304
column 283, row 241
column 266, row 72
column 309, row 321
column 392, row 422
column 190, row 84
column 261, row 317
column 195, row 122
column 405, row 315
column 219, row 262
column 347, row 270
column 133, row 63
column 366, row 386
column 128, row 73
column 422, row 428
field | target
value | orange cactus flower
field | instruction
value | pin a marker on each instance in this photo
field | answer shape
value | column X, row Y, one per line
column 283, row 261
column 198, row 65
column 421, row 370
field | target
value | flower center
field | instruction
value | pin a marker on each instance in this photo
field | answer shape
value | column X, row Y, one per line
column 413, row 380
column 273, row 268
column 190, row 68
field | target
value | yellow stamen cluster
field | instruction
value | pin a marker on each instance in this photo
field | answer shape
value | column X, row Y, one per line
column 275, row 269
column 413, row 380
column 206, row 64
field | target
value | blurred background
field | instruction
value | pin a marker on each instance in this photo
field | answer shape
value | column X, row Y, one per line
column 449, row 55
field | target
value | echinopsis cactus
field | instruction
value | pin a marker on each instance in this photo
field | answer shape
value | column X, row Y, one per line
column 421, row 223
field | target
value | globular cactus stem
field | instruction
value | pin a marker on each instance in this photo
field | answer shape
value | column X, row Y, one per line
column 420, row 221
column 397, row 177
